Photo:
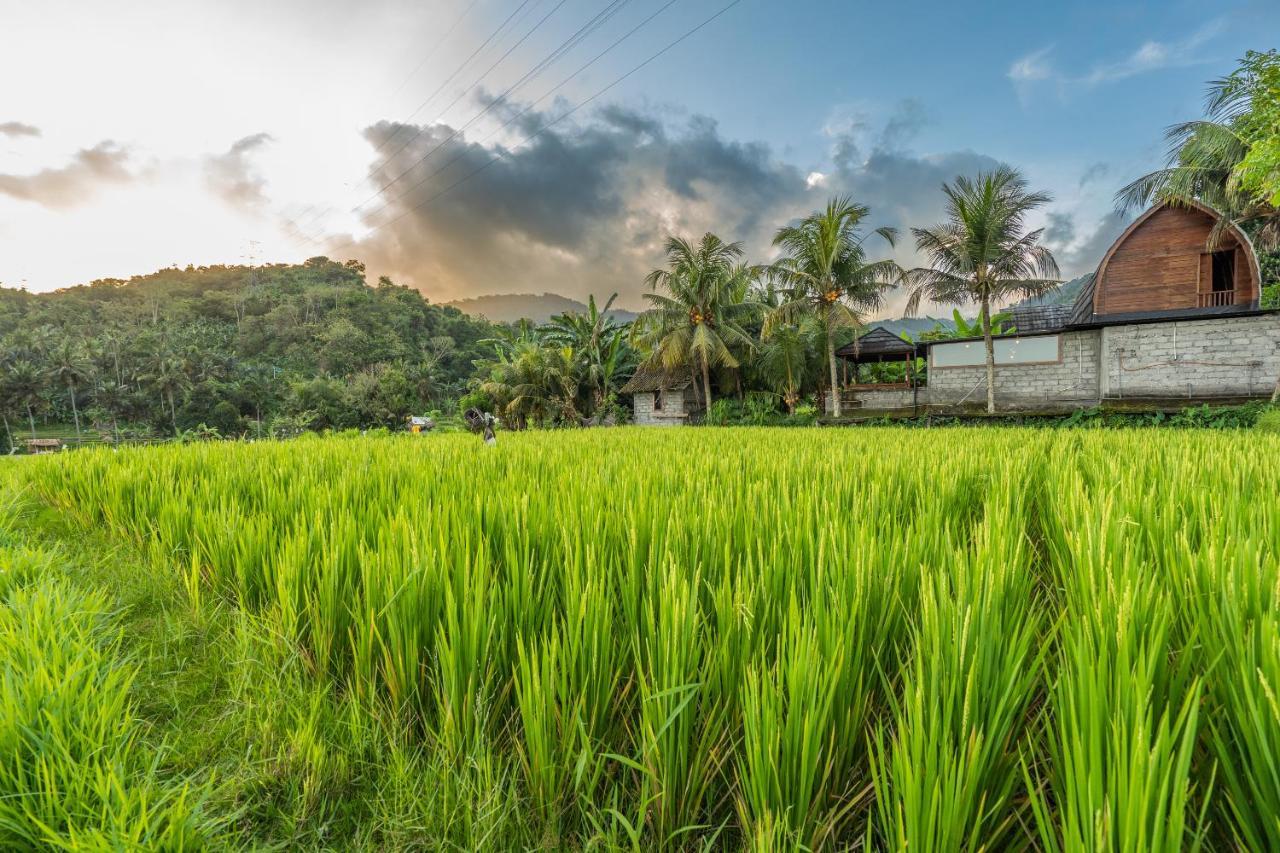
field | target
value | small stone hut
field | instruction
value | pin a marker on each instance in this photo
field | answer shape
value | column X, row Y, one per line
column 662, row 398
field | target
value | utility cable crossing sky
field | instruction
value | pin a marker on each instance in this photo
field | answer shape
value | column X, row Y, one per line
column 585, row 31
column 502, row 153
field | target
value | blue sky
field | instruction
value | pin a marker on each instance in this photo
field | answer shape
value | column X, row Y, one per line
column 208, row 132
column 1053, row 88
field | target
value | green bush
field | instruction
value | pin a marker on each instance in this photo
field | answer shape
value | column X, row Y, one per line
column 1268, row 421
column 723, row 412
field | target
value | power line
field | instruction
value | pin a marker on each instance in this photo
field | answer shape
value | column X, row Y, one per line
column 299, row 222
column 458, row 70
column 311, row 208
column 477, row 82
column 435, row 47
column 503, row 154
column 514, row 118
column 585, row 30
column 305, row 217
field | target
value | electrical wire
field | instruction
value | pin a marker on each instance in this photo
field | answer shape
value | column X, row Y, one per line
column 503, row 154
column 583, row 32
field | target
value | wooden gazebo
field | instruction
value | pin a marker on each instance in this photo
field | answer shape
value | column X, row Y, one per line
column 878, row 346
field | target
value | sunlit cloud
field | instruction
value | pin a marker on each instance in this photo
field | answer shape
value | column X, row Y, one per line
column 15, row 129
column 89, row 170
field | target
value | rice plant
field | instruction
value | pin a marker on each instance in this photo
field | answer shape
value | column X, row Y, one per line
column 945, row 639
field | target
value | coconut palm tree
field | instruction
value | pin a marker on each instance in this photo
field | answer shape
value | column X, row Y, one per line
column 786, row 356
column 1206, row 156
column 72, row 369
column 599, row 341
column 983, row 252
column 534, row 383
column 22, row 384
column 825, row 272
column 696, row 321
column 168, row 377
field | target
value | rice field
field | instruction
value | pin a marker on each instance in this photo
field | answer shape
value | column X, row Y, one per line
column 935, row 640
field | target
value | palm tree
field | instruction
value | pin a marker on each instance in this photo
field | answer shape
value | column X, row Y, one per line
column 168, row 377
column 983, row 253
column 598, row 340
column 825, row 273
column 697, row 320
column 71, row 369
column 22, row 385
column 534, row 383
column 786, row 355
column 1204, row 160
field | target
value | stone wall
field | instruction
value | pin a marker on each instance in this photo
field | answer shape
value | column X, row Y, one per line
column 676, row 408
column 855, row 401
column 1067, row 384
column 1222, row 357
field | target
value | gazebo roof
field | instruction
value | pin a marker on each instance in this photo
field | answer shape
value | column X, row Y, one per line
column 877, row 344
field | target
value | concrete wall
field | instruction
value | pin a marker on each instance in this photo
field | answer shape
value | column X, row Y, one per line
column 1223, row 357
column 676, row 408
column 1066, row 384
column 875, row 400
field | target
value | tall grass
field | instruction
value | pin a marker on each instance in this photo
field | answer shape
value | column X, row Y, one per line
column 935, row 640
column 74, row 773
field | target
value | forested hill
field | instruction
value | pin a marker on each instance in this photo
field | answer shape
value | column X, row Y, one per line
column 233, row 348
column 514, row 307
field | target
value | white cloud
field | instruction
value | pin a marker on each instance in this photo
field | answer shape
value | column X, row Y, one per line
column 1032, row 67
column 815, row 179
column 1036, row 68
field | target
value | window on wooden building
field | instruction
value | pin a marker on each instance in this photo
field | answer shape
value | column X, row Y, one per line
column 1224, row 271
column 657, row 401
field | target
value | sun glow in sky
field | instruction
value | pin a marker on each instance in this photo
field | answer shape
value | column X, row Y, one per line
column 137, row 135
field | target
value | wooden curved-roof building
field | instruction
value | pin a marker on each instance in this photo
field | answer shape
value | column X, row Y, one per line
column 1164, row 262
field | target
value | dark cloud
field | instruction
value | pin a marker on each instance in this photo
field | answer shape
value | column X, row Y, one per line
column 231, row 175
column 574, row 211
column 15, row 129
column 1061, row 230
column 1077, row 256
column 74, row 183
column 586, row 209
column 1093, row 173
column 903, row 126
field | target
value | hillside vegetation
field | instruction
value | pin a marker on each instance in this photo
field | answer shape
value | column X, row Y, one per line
column 309, row 346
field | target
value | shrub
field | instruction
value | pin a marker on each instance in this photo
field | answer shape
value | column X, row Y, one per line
column 1268, row 420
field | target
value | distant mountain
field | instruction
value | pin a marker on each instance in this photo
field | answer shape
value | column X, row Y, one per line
column 1065, row 295
column 913, row 326
column 513, row 307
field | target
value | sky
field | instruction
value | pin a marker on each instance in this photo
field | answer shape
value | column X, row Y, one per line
column 471, row 147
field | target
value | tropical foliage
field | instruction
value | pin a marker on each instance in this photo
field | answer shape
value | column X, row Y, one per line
column 984, row 253
column 825, row 273
column 560, row 374
column 232, row 348
column 697, row 320
column 1230, row 159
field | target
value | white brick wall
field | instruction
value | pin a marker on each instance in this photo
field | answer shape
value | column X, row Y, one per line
column 676, row 407
column 895, row 399
column 1068, row 383
column 1224, row 357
